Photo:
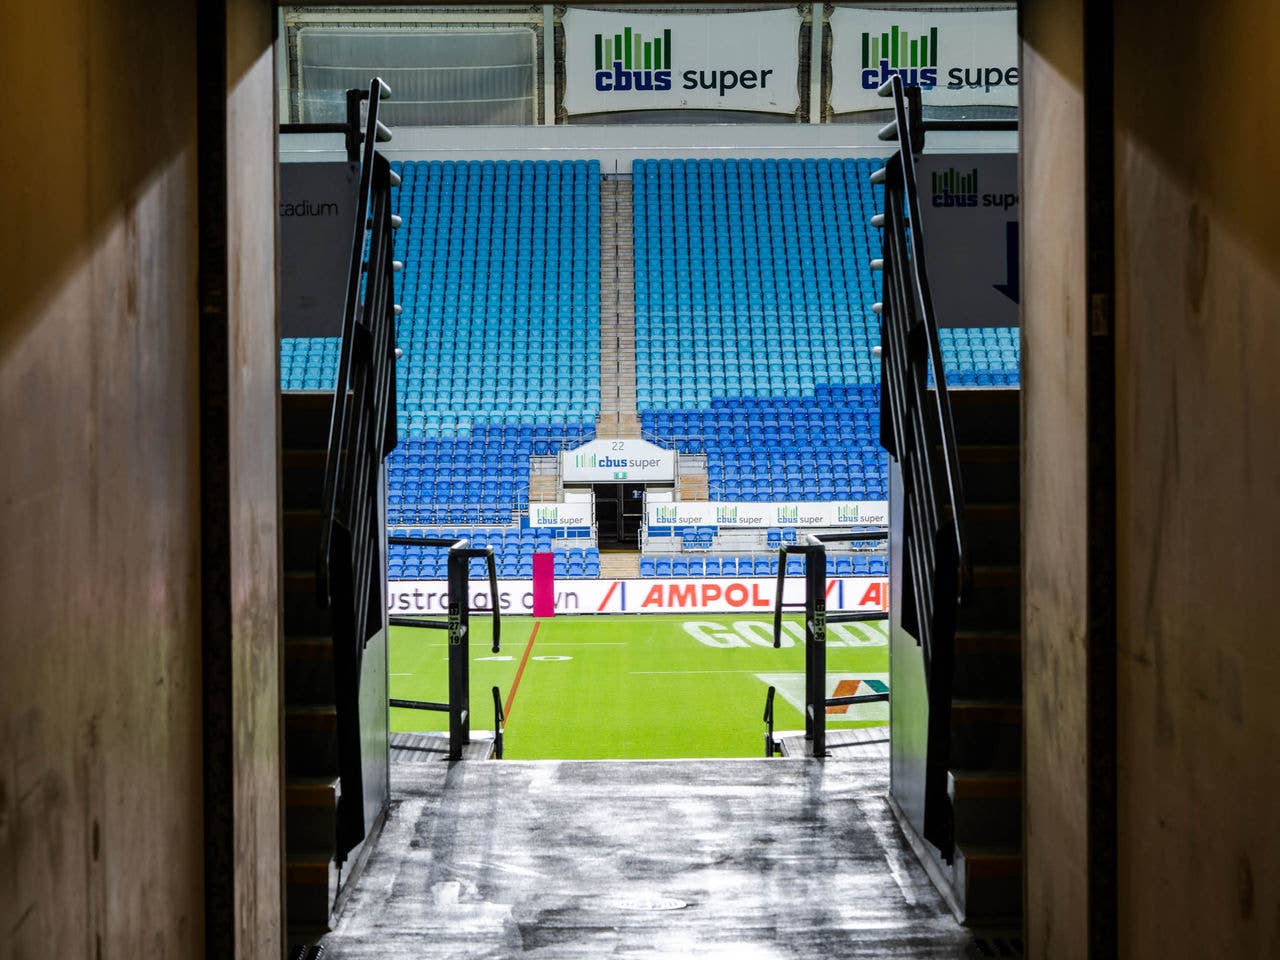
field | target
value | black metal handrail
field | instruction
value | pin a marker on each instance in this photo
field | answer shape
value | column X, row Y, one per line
column 350, row 561
column 910, row 345
column 367, row 357
column 458, row 623
column 813, row 547
column 918, row 431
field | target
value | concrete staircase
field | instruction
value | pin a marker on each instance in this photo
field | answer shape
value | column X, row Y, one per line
column 619, row 565
column 693, row 483
column 316, row 880
column 985, row 777
column 617, row 312
column 312, row 784
column 544, row 479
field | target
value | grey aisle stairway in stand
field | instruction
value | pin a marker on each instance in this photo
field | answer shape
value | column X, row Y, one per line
column 618, row 416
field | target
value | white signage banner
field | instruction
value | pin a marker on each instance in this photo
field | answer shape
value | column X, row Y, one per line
column 627, row 460
column 713, row 514
column 956, row 58
column 686, row 595
column 561, row 514
column 673, row 61
column 969, row 205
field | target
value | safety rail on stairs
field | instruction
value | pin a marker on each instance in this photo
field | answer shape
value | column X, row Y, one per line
column 917, row 429
column 362, row 430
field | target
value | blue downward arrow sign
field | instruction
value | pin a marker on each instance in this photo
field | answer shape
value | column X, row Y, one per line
column 1013, row 287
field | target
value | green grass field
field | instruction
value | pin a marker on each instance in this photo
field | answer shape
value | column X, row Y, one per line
column 636, row 687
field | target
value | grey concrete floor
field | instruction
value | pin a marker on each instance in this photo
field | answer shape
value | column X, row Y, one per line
column 718, row 859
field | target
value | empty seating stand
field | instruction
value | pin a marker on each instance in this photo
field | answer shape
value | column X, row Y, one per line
column 754, row 328
column 754, row 333
column 513, row 549
column 499, row 333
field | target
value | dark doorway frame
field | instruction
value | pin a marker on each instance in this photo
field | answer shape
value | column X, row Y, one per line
column 619, row 509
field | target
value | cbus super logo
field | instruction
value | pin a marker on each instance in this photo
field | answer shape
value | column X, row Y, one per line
column 956, row 188
column 626, row 62
column 788, row 515
column 893, row 53
column 548, row 514
column 951, row 188
column 847, row 513
column 726, row 516
column 666, row 515
column 598, row 462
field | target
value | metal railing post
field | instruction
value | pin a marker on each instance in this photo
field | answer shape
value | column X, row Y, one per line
column 459, row 654
column 815, row 635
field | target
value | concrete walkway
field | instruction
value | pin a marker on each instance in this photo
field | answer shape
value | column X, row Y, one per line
column 718, row 859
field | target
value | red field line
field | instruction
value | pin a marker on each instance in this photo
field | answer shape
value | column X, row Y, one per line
column 528, row 648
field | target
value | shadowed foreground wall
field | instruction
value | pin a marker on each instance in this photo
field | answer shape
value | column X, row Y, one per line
column 102, row 833
column 1198, row 330
column 100, row 789
column 1197, row 471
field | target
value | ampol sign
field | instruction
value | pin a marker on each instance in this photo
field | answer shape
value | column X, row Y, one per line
column 720, row 61
column 956, row 58
column 717, row 595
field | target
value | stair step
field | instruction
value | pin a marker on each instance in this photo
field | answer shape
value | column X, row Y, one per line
column 302, row 478
column 304, row 420
column 988, row 664
column 989, row 883
column 311, row 812
column 986, row 417
column 986, row 734
column 311, row 741
column 619, row 565
column 987, row 807
column 311, row 884
column 993, row 532
column 303, row 614
column 300, row 536
column 308, row 671
column 995, row 603
column 990, row 472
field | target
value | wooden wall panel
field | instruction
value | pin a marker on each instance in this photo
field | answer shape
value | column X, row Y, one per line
column 100, row 790
column 254, row 450
column 1198, row 271
column 1054, row 320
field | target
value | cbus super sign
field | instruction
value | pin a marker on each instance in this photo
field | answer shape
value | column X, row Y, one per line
column 625, row 62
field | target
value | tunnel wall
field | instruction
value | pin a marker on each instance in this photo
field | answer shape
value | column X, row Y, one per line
column 1055, row 597
column 100, row 782
column 1196, row 271
column 103, row 667
column 1198, row 417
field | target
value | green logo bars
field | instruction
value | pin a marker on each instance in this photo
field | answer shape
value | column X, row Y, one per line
column 954, row 182
column 895, row 46
column 632, row 51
